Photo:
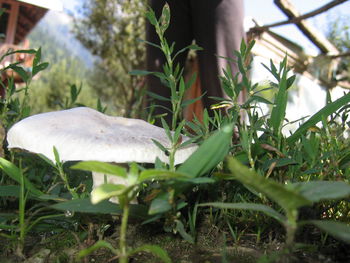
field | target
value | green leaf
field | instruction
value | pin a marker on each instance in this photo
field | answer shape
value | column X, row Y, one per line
column 195, row 47
column 101, row 167
column 290, row 81
column 103, row 207
column 74, row 92
column 316, row 191
column 9, row 190
column 209, row 154
column 57, row 156
column 153, row 249
column 151, row 17
column 13, row 191
column 159, row 205
column 85, row 206
column 288, row 199
column 165, row 17
column 140, row 72
column 21, row 72
column 148, row 43
column 338, row 230
column 160, row 146
column 106, row 191
column 39, row 68
column 7, row 227
column 52, row 197
column 151, row 174
column 317, row 117
column 158, row 97
column 166, row 129
column 280, row 162
column 198, row 180
column 249, row 206
column 37, row 57
column 99, row 244
column 280, row 104
column 47, row 160
column 181, row 229
column 27, row 51
column 15, row 173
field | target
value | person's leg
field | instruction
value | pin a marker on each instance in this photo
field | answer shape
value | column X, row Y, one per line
column 180, row 32
column 218, row 29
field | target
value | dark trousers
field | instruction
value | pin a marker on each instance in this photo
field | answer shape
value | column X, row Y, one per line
column 215, row 25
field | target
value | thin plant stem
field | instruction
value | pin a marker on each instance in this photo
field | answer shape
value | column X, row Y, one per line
column 291, row 227
column 66, row 182
column 172, row 160
column 22, row 204
column 123, row 257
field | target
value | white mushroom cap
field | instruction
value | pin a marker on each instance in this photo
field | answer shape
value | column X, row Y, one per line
column 84, row 134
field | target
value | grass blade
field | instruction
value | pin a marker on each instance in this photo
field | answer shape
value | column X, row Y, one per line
column 317, row 117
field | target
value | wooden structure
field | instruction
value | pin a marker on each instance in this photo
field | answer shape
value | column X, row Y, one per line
column 319, row 68
column 20, row 16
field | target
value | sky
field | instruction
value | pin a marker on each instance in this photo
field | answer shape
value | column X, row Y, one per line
column 266, row 12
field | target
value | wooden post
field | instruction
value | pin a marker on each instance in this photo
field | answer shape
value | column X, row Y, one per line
column 12, row 23
column 195, row 91
column 310, row 32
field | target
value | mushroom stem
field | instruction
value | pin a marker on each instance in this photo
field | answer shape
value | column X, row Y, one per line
column 123, row 257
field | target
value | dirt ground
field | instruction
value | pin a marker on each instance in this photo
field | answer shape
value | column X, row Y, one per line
column 212, row 246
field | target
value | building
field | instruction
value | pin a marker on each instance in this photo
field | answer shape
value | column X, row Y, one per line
column 20, row 17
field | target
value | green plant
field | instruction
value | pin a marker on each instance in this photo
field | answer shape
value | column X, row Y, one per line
column 24, row 191
column 11, row 108
column 125, row 194
column 58, row 166
column 289, row 197
column 175, row 182
column 172, row 75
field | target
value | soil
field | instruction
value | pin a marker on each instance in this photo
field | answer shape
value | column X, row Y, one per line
column 211, row 247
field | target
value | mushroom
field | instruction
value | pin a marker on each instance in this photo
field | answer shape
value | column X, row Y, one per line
column 84, row 134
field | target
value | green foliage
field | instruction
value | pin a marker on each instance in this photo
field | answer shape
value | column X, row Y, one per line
column 288, row 197
column 125, row 194
column 15, row 105
column 16, row 174
column 172, row 75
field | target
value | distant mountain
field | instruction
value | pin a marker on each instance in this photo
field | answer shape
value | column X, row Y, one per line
column 57, row 25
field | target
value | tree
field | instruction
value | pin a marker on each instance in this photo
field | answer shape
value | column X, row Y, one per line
column 110, row 29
